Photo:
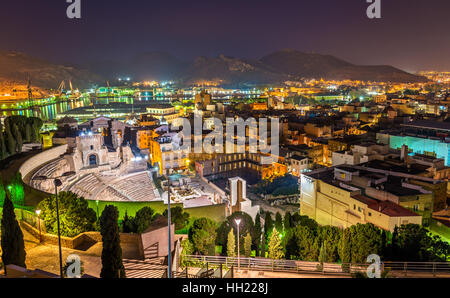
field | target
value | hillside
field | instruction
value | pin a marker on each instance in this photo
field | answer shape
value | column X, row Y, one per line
column 307, row 65
column 17, row 67
column 290, row 65
column 273, row 68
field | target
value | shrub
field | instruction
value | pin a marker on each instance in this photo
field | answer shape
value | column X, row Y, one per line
column 75, row 215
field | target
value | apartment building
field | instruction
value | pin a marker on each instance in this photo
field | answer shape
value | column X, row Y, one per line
column 346, row 195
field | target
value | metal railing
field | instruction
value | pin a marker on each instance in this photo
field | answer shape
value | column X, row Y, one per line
column 396, row 269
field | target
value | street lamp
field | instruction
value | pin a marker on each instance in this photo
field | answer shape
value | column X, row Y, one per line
column 38, row 212
column 57, row 182
column 238, row 221
column 169, row 255
column 96, row 203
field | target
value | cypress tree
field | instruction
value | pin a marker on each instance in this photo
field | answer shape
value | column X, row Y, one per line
column 13, row 246
column 268, row 224
column 3, row 149
column 345, row 249
column 231, row 244
column 279, row 222
column 18, row 137
column 275, row 246
column 322, row 253
column 263, row 246
column 128, row 225
column 28, row 132
column 10, row 141
column 2, row 192
column 257, row 235
column 394, row 244
column 112, row 266
column 383, row 243
column 287, row 221
column 34, row 133
column 17, row 190
column 248, row 245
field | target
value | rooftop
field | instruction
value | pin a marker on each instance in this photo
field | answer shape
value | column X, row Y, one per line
column 429, row 124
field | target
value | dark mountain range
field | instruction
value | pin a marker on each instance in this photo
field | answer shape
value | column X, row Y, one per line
column 273, row 68
column 317, row 66
column 17, row 67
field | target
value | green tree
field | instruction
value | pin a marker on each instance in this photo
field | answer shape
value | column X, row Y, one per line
column 143, row 219
column 10, row 141
column 13, row 246
column 366, row 240
column 393, row 247
column 268, row 225
column 287, row 221
column 17, row 190
column 275, row 246
column 345, row 251
column 187, row 249
column 3, row 148
column 279, row 222
column 18, row 136
column 330, row 236
column 263, row 246
column 2, row 192
column 75, row 215
column 307, row 243
column 112, row 266
column 231, row 244
column 247, row 245
column 415, row 244
column 203, row 234
column 302, row 220
column 257, row 234
column 292, row 245
column 128, row 224
column 323, row 253
column 246, row 225
column 28, row 132
column 178, row 217
column 383, row 244
column 36, row 124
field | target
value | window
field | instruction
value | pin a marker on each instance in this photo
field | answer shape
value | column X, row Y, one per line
column 370, row 213
column 92, row 147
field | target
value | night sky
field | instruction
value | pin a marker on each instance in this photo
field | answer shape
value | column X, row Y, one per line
column 412, row 34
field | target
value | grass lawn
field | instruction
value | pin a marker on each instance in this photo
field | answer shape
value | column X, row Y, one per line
column 9, row 168
column 439, row 229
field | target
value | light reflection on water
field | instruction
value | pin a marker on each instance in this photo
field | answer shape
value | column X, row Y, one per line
column 49, row 112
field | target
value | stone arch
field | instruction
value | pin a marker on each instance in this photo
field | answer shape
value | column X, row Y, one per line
column 92, row 159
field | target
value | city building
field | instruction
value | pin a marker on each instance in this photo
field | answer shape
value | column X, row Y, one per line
column 360, row 154
column 346, row 195
column 167, row 153
column 165, row 113
column 425, row 137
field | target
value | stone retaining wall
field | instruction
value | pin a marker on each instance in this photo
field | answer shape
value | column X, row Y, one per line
column 42, row 158
column 79, row 240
